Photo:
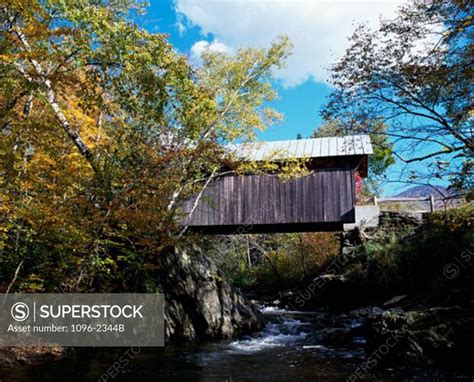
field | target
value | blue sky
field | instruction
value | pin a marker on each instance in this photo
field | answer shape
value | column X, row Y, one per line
column 318, row 29
column 299, row 104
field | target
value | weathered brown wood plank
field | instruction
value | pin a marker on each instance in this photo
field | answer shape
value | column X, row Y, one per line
column 322, row 197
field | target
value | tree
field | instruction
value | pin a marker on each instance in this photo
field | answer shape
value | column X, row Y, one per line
column 379, row 162
column 414, row 74
column 105, row 130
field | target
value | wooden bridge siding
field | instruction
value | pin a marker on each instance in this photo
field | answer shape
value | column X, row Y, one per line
column 324, row 196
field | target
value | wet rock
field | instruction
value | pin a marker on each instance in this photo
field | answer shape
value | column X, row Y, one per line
column 366, row 311
column 200, row 303
column 393, row 301
column 440, row 336
column 336, row 337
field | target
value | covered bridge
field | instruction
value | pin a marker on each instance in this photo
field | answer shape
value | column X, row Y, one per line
column 323, row 200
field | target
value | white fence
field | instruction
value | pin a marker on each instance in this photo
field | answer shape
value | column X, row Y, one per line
column 420, row 204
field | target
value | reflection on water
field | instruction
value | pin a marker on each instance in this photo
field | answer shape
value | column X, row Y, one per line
column 291, row 347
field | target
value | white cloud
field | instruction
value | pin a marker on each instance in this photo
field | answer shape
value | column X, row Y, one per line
column 201, row 46
column 318, row 29
column 181, row 22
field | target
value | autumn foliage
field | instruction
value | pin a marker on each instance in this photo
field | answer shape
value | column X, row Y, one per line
column 105, row 130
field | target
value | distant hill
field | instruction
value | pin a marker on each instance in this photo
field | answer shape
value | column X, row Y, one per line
column 423, row 191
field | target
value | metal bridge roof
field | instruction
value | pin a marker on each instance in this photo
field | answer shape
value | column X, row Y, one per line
column 304, row 148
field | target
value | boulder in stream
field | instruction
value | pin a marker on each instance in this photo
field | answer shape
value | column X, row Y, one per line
column 438, row 336
column 200, row 303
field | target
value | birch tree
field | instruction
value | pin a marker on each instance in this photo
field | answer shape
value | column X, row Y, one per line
column 105, row 129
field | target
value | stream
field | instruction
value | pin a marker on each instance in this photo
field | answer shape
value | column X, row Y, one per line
column 293, row 346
